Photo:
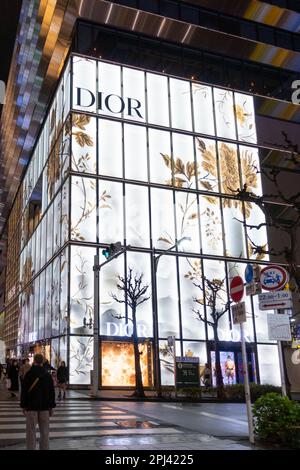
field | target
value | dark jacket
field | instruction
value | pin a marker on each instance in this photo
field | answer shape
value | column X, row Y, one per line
column 62, row 374
column 13, row 375
column 42, row 395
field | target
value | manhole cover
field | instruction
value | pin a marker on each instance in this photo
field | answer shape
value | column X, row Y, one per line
column 133, row 423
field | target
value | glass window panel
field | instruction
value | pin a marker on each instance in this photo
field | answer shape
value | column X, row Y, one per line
column 110, row 148
column 81, row 289
column 195, row 349
column 81, row 359
column 21, row 319
column 224, row 113
column 250, row 166
column 84, row 84
column 135, row 150
column 187, row 219
column 45, row 191
column 190, row 274
column 109, row 85
column 110, row 325
column 55, row 360
column 65, row 149
column 59, row 105
column 42, row 305
column 52, row 126
column 48, row 303
column 166, row 355
column 184, row 163
column 269, row 369
column 157, row 99
column 83, row 209
column 49, row 232
column 137, row 216
column 159, row 156
column 57, row 225
column 258, row 237
column 167, row 297
column 35, row 332
column 67, row 86
column 140, row 264
column 83, row 143
column 211, row 225
column 134, row 94
column 65, row 213
column 207, row 168
column 43, row 226
column 229, row 168
column 38, row 249
column 214, row 269
column 111, row 225
column 55, row 296
column 203, row 109
column 180, row 94
column 64, row 291
column 163, row 233
column 245, row 117
column 233, row 228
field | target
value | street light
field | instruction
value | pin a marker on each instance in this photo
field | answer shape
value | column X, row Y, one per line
column 114, row 250
column 155, row 312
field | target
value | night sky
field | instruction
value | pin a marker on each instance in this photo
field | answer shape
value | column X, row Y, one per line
column 9, row 16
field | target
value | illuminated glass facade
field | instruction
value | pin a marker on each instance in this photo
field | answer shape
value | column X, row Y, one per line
column 146, row 159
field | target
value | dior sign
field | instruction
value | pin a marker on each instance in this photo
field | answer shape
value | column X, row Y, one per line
column 110, row 102
column 123, row 329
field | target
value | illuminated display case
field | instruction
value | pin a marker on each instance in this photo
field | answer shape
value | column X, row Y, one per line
column 145, row 159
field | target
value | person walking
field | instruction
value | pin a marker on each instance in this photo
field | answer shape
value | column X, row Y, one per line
column 62, row 378
column 13, row 375
column 37, row 402
column 207, row 376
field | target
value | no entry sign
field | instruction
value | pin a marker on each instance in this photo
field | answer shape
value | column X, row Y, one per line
column 237, row 288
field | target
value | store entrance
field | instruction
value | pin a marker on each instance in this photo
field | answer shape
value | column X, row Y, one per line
column 232, row 365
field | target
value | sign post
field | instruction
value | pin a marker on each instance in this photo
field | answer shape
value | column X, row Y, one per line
column 239, row 316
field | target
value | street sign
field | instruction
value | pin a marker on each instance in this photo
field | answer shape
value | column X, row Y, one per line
column 279, row 327
column 273, row 278
column 238, row 313
column 253, row 288
column 249, row 273
column 237, row 288
column 275, row 300
column 187, row 372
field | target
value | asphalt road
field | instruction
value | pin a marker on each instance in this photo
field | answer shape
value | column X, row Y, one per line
column 216, row 419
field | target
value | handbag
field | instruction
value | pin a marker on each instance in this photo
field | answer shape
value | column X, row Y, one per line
column 33, row 384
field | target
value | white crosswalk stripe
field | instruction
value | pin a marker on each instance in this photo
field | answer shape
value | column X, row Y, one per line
column 77, row 418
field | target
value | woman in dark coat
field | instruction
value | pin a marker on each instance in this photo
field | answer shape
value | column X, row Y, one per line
column 13, row 375
column 62, row 378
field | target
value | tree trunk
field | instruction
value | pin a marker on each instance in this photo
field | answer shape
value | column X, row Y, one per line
column 139, row 388
column 219, row 376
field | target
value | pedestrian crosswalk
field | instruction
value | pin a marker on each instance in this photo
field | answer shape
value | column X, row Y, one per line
column 80, row 418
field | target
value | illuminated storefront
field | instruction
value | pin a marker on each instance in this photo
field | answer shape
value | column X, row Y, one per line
column 146, row 159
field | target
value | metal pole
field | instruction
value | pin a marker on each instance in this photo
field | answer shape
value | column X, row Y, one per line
column 96, row 269
column 281, row 367
column 155, row 329
column 246, row 386
column 175, row 378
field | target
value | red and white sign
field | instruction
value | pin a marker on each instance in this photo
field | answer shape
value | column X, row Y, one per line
column 237, row 288
column 273, row 277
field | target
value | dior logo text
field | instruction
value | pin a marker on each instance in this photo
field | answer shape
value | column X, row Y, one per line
column 111, row 102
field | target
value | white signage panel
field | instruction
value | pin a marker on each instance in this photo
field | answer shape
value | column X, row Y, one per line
column 275, row 300
column 279, row 327
column 238, row 313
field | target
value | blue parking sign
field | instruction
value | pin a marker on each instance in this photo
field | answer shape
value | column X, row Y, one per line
column 249, row 273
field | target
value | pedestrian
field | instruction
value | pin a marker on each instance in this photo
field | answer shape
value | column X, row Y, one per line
column 207, row 376
column 62, row 378
column 37, row 402
column 25, row 367
column 13, row 375
column 1, row 371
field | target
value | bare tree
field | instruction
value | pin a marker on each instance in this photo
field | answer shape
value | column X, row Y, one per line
column 134, row 295
column 287, row 225
column 214, row 291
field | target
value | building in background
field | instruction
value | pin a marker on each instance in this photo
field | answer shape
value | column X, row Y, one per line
column 139, row 128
